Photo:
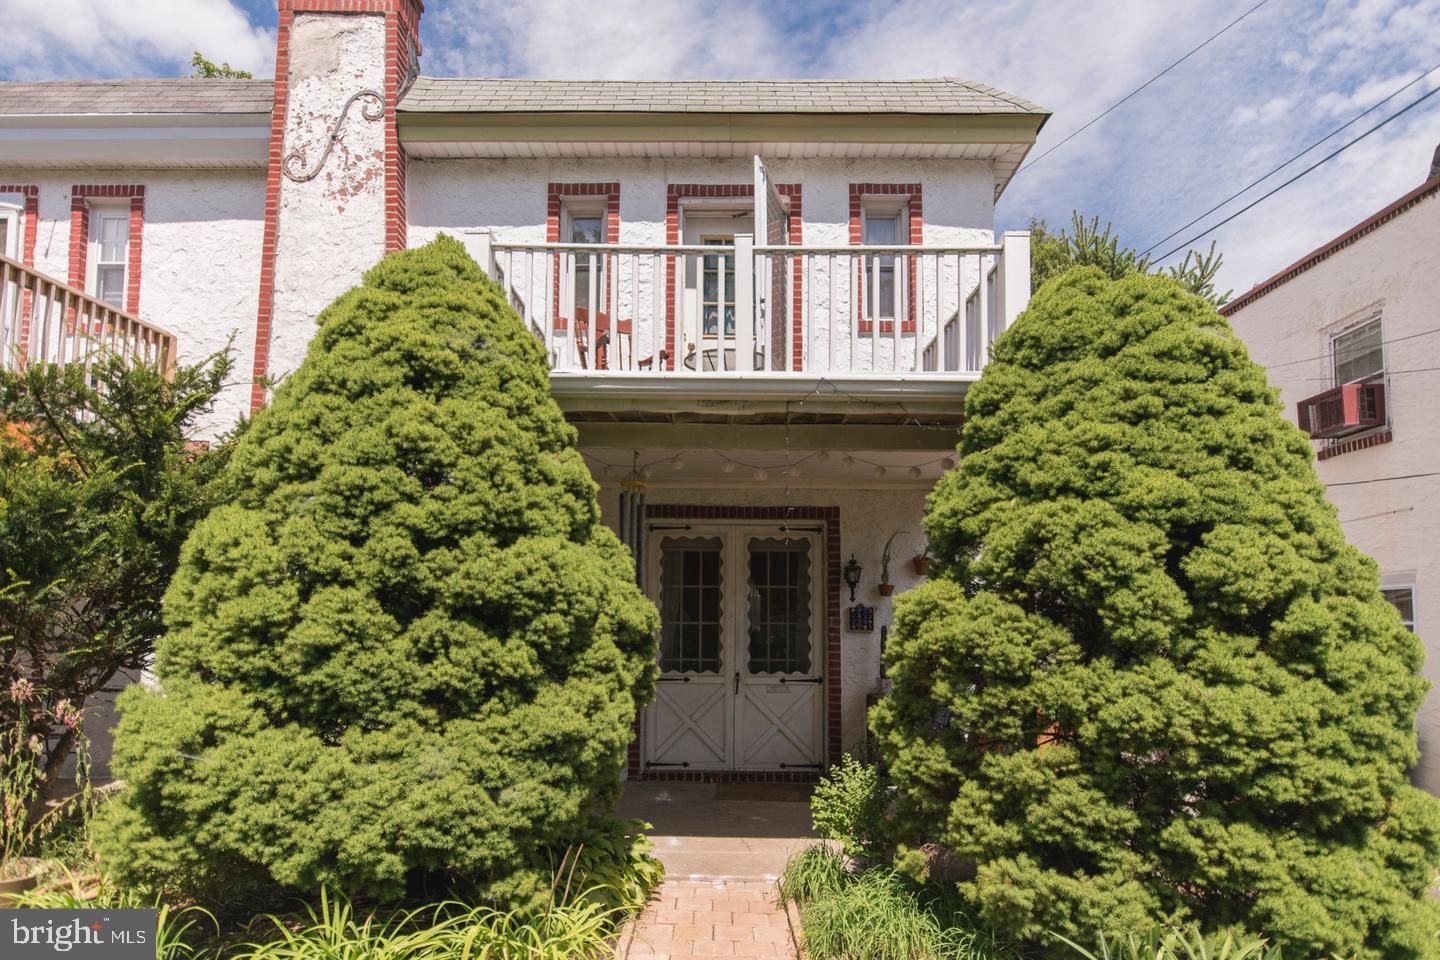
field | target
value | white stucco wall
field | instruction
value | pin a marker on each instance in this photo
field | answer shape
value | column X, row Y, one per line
column 868, row 516
column 332, row 228
column 1395, row 270
column 508, row 197
column 200, row 259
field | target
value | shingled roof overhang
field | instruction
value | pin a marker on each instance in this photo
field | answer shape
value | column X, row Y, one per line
column 135, row 123
column 442, row 117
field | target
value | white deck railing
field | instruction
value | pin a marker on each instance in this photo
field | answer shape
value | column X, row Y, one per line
column 812, row 310
column 43, row 320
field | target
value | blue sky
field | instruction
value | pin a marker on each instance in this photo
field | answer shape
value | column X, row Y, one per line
column 1289, row 73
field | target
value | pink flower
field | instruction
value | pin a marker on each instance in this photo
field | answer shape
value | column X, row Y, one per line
column 66, row 714
column 21, row 690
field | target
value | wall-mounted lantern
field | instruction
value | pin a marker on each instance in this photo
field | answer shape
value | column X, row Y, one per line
column 852, row 575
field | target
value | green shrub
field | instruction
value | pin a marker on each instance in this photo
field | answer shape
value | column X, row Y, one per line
column 848, row 806
column 613, row 862
column 1185, row 944
column 408, row 651
column 1148, row 679
column 878, row 914
column 446, row 931
column 179, row 932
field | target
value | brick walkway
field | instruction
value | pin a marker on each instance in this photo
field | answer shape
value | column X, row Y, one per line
column 711, row 918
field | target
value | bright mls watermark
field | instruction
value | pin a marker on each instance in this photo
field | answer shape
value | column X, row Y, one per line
column 113, row 934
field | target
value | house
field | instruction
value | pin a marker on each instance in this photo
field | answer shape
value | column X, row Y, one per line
column 1350, row 336
column 763, row 303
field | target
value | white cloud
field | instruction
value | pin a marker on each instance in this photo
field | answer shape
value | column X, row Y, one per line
column 604, row 39
column 49, row 39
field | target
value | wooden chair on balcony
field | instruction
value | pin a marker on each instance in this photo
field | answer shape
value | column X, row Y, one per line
column 625, row 347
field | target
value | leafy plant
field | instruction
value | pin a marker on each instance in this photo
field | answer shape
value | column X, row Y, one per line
column 612, row 861
column 446, row 931
column 848, row 806
column 177, row 930
column 1087, row 245
column 1169, row 944
column 204, row 69
column 406, row 654
column 99, row 486
column 879, row 914
column 1148, row 680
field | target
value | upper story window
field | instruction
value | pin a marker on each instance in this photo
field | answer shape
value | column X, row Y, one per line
column 1359, row 354
column 1403, row 600
column 880, row 227
column 584, row 222
column 110, row 249
column 10, row 230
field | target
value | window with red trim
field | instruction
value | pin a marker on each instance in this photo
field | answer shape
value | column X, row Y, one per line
column 885, row 215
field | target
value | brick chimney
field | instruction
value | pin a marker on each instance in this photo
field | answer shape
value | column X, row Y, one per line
column 335, row 193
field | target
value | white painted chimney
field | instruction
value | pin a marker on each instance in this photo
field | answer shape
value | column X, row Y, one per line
column 335, row 195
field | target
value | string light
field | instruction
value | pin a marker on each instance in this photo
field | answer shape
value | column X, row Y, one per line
column 791, row 469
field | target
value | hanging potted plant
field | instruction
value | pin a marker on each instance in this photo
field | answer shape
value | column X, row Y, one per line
column 922, row 562
column 886, row 587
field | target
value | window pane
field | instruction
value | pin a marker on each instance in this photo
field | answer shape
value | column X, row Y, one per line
column 1403, row 600
column 5, row 236
column 1359, row 354
column 882, row 231
column 110, row 285
column 690, row 605
column 586, row 230
column 113, row 234
column 779, row 607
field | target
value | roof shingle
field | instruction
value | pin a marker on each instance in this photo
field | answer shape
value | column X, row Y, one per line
column 940, row 95
column 116, row 97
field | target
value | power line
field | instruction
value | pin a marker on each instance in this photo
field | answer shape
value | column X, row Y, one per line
column 1326, row 356
column 1408, row 476
column 1106, row 112
column 1255, row 183
column 1323, row 160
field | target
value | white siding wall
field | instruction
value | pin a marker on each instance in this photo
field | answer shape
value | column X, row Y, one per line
column 200, row 259
column 1397, row 270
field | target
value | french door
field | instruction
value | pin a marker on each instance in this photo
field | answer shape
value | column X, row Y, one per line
column 741, row 682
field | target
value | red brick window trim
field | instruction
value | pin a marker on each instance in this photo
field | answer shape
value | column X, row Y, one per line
column 910, row 195
column 81, row 197
column 557, row 194
column 677, row 192
column 29, row 194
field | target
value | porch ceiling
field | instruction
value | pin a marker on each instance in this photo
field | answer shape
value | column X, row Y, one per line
column 827, row 467
column 765, row 412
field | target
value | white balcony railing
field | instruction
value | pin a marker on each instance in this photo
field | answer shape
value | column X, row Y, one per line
column 46, row 321
column 740, row 309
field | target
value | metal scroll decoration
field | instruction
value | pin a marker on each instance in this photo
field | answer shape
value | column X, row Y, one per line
column 372, row 110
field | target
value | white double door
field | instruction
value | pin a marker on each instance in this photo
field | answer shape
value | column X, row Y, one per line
column 741, row 682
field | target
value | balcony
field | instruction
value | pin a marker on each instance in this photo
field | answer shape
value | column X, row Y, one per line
column 46, row 321
column 1343, row 410
column 737, row 319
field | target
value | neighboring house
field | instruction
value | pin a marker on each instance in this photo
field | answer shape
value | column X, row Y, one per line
column 768, row 296
column 1351, row 335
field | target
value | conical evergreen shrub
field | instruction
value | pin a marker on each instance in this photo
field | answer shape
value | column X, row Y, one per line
column 1150, row 679
column 408, row 650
